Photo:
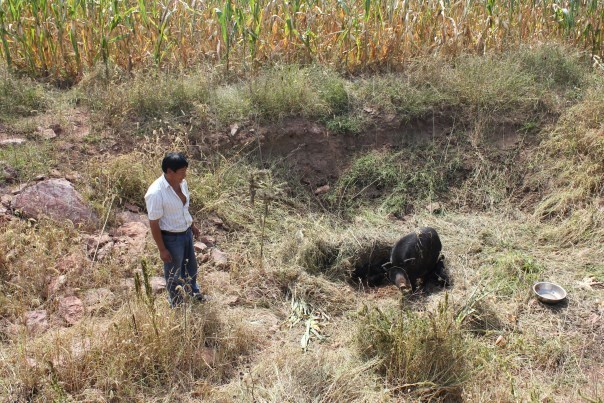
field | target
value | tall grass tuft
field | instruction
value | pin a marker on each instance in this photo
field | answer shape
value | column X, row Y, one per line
column 423, row 355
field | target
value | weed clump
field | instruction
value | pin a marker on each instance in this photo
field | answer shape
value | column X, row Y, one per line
column 424, row 355
column 21, row 96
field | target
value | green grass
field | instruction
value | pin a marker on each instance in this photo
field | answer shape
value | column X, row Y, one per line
column 21, row 96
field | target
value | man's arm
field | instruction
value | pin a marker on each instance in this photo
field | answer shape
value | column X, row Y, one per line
column 195, row 230
column 156, row 232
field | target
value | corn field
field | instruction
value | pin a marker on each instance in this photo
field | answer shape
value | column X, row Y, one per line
column 61, row 38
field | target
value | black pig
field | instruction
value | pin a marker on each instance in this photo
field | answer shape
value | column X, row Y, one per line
column 416, row 256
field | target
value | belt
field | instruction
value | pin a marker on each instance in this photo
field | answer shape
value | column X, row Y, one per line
column 175, row 233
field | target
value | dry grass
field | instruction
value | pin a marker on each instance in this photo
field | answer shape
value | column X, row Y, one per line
column 485, row 339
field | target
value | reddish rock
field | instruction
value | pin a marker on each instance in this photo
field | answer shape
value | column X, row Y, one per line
column 57, row 199
column 132, row 230
column 71, row 309
column 208, row 240
column 36, row 321
column 71, row 263
column 130, row 239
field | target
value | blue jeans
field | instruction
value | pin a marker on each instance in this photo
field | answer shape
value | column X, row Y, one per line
column 182, row 270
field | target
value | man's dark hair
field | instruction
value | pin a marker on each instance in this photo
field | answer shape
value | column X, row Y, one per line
column 174, row 161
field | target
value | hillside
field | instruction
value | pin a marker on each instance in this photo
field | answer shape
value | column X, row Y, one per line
column 501, row 153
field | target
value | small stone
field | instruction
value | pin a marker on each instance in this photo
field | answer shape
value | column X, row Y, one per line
column 234, row 129
column 73, row 177
column 18, row 189
column 98, row 299
column 208, row 356
column 36, row 321
column 5, row 200
column 322, row 190
column 56, row 284
column 158, row 284
column 208, row 240
column 47, row 134
column 8, row 173
column 220, row 258
column 434, row 208
column 132, row 208
column 216, row 221
column 501, row 341
column 200, row 246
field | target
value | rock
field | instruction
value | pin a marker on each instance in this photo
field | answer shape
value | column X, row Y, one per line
column 158, row 284
column 102, row 253
column 130, row 239
column 231, row 300
column 93, row 240
column 11, row 142
column 71, row 309
column 208, row 240
column 36, row 321
column 56, row 284
column 204, row 258
column 97, row 299
column 8, row 173
column 322, row 190
column 501, row 341
column 434, row 208
column 200, row 246
column 73, row 177
column 73, row 263
column 207, row 356
column 234, row 129
column 3, row 210
column 132, row 207
column 46, row 134
column 57, row 199
column 131, row 229
column 6, row 200
column 124, row 217
column 19, row 188
column 216, row 221
column 220, row 259
column 127, row 283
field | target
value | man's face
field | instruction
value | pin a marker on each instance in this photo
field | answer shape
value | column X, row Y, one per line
column 179, row 175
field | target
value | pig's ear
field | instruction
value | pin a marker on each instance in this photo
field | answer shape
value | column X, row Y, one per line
column 402, row 281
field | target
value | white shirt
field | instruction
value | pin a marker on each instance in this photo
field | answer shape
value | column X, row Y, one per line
column 163, row 204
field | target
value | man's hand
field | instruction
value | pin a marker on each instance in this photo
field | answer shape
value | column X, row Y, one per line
column 165, row 255
column 196, row 231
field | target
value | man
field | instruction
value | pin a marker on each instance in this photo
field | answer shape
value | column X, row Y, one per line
column 172, row 228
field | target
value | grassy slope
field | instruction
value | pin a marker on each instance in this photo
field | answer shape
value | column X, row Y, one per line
column 510, row 216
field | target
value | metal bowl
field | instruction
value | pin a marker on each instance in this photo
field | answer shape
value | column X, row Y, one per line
column 549, row 293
